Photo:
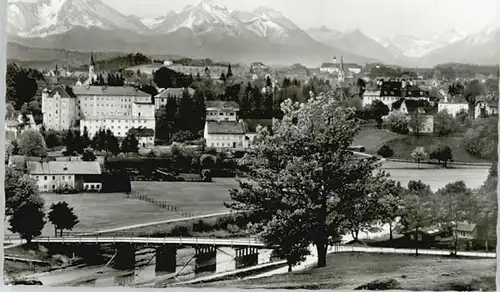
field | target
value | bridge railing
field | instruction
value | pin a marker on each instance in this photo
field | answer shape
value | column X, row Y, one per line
column 152, row 240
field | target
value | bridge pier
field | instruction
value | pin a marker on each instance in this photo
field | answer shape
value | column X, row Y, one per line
column 247, row 257
column 166, row 259
column 205, row 260
column 226, row 260
column 125, row 257
column 265, row 256
column 91, row 253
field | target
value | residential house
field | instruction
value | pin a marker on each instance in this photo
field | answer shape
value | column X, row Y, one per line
column 485, row 106
column 217, row 110
column 80, row 175
column 389, row 92
column 225, row 134
column 146, row 137
column 161, row 98
column 14, row 127
column 453, row 108
column 415, row 109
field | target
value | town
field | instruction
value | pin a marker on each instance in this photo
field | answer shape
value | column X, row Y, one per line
column 144, row 171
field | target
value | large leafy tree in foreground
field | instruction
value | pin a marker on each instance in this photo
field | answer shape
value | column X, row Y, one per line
column 301, row 180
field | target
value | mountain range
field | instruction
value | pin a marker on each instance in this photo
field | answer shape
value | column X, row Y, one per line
column 210, row 30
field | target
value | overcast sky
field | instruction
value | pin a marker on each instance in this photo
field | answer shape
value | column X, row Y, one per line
column 378, row 18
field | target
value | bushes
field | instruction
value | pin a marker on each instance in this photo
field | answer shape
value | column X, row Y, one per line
column 482, row 138
column 206, row 175
column 398, row 123
column 385, row 151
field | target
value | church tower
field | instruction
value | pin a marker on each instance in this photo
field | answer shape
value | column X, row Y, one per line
column 92, row 76
column 341, row 76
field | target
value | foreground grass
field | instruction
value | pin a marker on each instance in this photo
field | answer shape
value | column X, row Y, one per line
column 348, row 271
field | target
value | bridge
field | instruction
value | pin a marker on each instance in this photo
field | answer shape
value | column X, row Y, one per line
column 190, row 241
column 209, row 254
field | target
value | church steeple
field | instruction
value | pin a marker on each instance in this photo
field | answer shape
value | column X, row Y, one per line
column 92, row 63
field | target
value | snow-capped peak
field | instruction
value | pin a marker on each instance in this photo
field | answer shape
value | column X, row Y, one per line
column 58, row 16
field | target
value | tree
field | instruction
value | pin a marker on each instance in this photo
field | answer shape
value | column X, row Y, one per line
column 416, row 123
column 62, row 217
column 487, row 207
column 28, row 221
column 223, row 77
column 379, row 109
column 444, row 124
column 481, row 139
column 21, row 85
column 385, row 151
column 398, row 123
column 419, row 154
column 85, row 138
column 229, row 73
column 88, row 155
column 472, row 90
column 19, row 190
column 452, row 205
column 316, row 181
column 31, row 143
column 441, row 153
column 391, row 204
column 416, row 209
column 130, row 144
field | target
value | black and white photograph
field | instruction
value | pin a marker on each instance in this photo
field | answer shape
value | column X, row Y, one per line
column 251, row 144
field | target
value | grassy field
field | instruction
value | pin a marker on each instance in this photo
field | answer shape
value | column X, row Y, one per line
column 196, row 198
column 98, row 211
column 372, row 139
column 348, row 271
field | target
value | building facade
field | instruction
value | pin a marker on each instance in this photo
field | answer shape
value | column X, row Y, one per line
column 161, row 98
column 59, row 109
column 453, row 108
column 222, row 111
column 225, row 134
column 53, row 175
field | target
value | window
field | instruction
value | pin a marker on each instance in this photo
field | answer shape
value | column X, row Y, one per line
column 53, row 177
column 45, row 177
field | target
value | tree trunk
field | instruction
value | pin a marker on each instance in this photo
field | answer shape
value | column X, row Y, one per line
column 321, row 248
column 61, row 232
column 289, row 268
column 416, row 239
column 55, row 231
column 390, row 231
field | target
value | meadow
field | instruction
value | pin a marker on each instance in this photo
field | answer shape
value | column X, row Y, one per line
column 347, row 271
column 99, row 211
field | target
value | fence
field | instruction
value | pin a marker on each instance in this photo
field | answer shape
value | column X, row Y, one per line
column 388, row 250
column 161, row 204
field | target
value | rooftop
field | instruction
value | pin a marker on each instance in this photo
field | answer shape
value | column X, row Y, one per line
column 178, row 92
column 63, row 167
column 109, row 91
column 466, row 227
column 228, row 128
column 218, row 104
column 58, row 89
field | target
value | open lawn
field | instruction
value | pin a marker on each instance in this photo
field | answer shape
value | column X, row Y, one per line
column 197, row 198
column 372, row 139
column 403, row 147
column 98, row 211
column 350, row 270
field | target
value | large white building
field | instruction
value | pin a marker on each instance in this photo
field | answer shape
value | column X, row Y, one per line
column 392, row 91
column 59, row 109
column 453, row 108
